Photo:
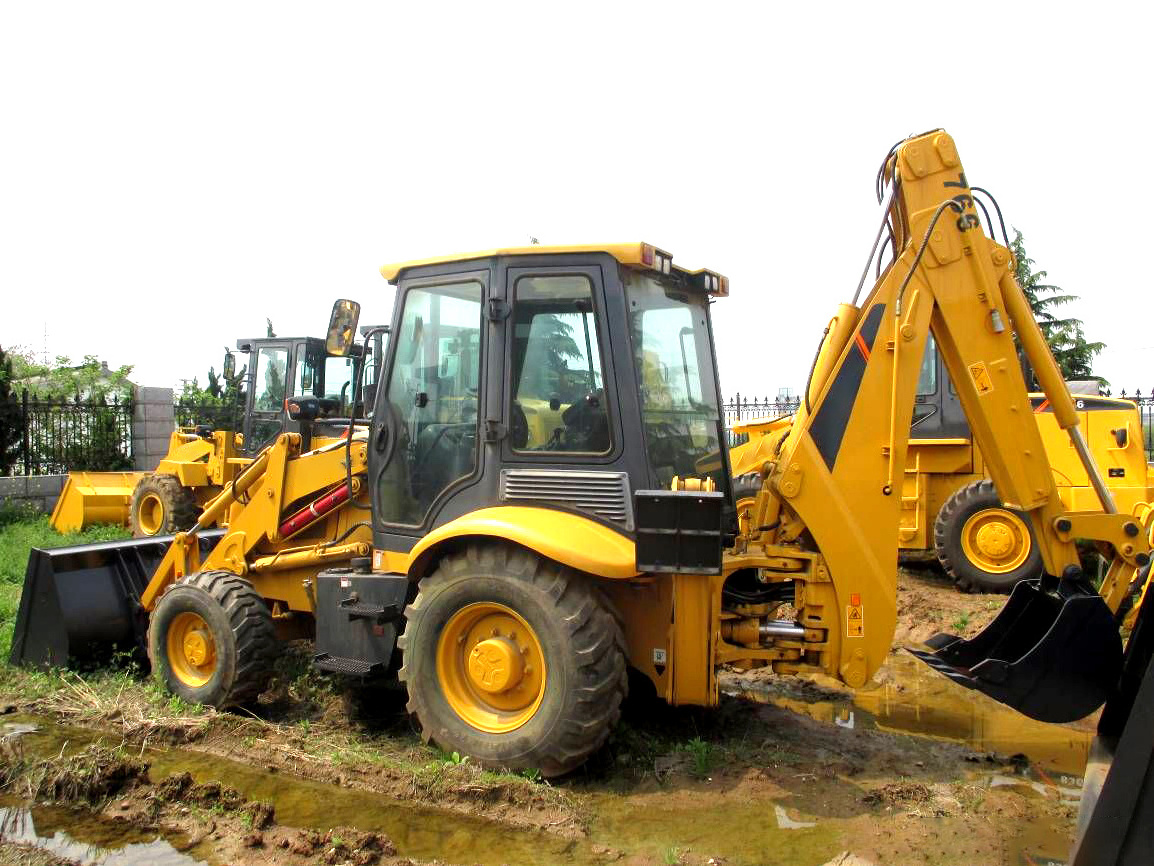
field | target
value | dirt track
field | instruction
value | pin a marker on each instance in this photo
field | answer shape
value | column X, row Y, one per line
column 909, row 770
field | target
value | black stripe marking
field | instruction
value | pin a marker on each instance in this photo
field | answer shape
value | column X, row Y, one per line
column 829, row 422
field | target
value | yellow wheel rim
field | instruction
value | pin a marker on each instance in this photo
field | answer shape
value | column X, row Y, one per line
column 150, row 514
column 491, row 667
column 996, row 540
column 191, row 649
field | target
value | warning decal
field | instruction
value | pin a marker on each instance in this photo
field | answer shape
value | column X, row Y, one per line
column 854, row 618
column 981, row 377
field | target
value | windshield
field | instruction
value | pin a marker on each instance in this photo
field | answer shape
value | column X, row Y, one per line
column 669, row 332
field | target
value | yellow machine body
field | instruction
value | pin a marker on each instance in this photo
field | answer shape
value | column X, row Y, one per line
column 88, row 498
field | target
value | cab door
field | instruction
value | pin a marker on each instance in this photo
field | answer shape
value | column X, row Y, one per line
column 425, row 433
column 270, row 372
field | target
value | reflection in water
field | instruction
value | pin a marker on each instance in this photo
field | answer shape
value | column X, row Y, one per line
column 19, row 825
column 913, row 699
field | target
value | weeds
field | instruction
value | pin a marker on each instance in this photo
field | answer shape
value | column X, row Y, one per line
column 961, row 622
column 702, row 754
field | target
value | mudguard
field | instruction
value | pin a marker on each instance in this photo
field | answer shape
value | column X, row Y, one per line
column 81, row 604
column 1053, row 653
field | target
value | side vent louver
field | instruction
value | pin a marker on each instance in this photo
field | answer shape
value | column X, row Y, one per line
column 604, row 494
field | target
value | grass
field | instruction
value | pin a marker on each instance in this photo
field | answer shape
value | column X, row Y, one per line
column 20, row 531
column 961, row 622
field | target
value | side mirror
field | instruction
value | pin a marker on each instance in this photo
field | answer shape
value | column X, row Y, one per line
column 229, row 365
column 342, row 327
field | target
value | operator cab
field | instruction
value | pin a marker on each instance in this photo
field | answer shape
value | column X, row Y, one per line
column 280, row 368
column 564, row 378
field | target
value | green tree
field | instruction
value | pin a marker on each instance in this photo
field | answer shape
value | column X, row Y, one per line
column 11, row 418
column 1073, row 352
column 91, row 379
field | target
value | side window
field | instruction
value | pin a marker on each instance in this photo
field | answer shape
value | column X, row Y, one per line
column 306, row 373
column 271, row 366
column 928, row 377
column 432, row 395
column 339, row 379
column 558, row 379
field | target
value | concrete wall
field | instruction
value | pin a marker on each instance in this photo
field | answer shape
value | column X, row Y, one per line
column 39, row 491
column 153, row 421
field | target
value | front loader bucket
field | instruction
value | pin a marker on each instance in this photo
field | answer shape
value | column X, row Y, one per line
column 1054, row 656
column 89, row 498
column 81, row 604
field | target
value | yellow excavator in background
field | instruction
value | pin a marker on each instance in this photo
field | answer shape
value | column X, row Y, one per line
column 547, row 503
column 950, row 509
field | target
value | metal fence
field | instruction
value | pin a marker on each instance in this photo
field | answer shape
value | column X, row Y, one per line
column 738, row 409
column 741, row 408
column 61, row 435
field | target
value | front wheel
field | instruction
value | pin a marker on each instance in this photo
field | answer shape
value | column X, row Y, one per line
column 982, row 544
column 160, row 505
column 514, row 660
column 211, row 639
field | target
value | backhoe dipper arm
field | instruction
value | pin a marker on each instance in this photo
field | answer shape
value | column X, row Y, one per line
column 839, row 474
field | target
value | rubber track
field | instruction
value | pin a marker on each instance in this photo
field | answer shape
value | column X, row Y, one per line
column 596, row 638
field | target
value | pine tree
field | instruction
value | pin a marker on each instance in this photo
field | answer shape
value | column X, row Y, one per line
column 1073, row 352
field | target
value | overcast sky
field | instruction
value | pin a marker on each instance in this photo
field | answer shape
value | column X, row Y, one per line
column 173, row 174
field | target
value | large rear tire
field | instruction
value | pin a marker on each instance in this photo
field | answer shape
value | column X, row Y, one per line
column 211, row 639
column 514, row 660
column 982, row 544
column 161, row 506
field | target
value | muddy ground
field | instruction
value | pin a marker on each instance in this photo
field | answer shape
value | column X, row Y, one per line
column 911, row 769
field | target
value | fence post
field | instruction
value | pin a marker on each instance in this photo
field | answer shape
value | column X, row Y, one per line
column 153, row 420
column 24, row 441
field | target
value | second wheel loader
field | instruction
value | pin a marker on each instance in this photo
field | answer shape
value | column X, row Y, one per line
column 547, row 503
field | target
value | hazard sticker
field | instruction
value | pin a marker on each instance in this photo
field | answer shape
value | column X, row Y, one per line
column 854, row 620
column 981, row 377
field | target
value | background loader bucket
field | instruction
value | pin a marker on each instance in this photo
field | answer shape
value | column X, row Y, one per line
column 89, row 498
column 1053, row 656
column 81, row 604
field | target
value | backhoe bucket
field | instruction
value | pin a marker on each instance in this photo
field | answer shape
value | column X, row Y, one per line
column 81, row 604
column 89, row 498
column 1054, row 656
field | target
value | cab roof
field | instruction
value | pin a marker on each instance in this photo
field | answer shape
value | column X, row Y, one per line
column 636, row 254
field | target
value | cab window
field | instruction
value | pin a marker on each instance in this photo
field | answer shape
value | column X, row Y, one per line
column 271, row 366
column 432, row 397
column 558, row 379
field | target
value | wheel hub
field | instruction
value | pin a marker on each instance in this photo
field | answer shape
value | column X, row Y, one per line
column 995, row 539
column 491, row 667
column 150, row 514
column 190, row 649
column 196, row 647
column 495, row 665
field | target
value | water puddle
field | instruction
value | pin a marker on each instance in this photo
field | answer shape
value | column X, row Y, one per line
column 417, row 831
column 913, row 699
column 82, row 837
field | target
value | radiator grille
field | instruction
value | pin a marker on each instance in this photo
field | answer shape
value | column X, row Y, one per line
column 605, row 494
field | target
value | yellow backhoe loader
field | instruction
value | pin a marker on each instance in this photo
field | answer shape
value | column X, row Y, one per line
column 549, row 504
column 951, row 510
column 200, row 461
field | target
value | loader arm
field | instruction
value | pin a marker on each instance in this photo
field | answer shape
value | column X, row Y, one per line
column 835, row 486
column 262, row 506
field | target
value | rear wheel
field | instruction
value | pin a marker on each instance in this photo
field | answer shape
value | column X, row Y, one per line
column 161, row 506
column 982, row 544
column 211, row 639
column 514, row 660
